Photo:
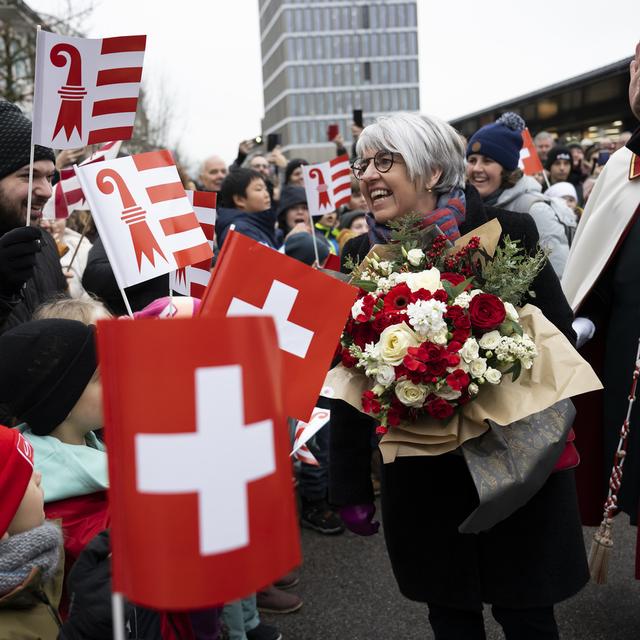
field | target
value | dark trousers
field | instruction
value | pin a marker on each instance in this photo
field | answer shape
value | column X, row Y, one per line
column 517, row 624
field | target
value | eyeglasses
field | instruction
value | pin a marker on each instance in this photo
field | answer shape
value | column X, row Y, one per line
column 382, row 161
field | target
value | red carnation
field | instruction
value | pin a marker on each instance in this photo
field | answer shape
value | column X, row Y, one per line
column 486, row 312
column 347, row 359
column 462, row 322
column 460, row 335
column 441, row 295
column 458, row 380
column 398, row 298
column 370, row 402
column 454, row 312
column 384, row 320
column 439, row 408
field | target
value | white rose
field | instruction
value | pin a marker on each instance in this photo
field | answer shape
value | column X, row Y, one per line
column 411, row 395
column 415, row 256
column 511, row 312
column 478, row 367
column 470, row 350
column 473, row 389
column 394, row 342
column 356, row 309
column 385, row 375
column 490, row 340
column 492, row 376
column 429, row 280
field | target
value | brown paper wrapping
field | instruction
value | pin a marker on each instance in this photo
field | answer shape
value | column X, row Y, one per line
column 558, row 372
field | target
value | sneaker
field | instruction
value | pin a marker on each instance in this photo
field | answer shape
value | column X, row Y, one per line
column 320, row 517
column 287, row 582
column 263, row 632
column 274, row 600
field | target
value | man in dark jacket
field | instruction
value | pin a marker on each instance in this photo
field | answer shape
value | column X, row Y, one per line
column 30, row 270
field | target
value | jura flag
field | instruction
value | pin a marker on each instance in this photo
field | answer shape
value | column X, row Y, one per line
column 192, row 281
column 529, row 159
column 309, row 309
column 143, row 215
column 67, row 194
column 86, row 89
column 328, row 185
column 305, row 431
column 200, row 476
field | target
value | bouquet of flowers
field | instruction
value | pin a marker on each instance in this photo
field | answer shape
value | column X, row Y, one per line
column 433, row 325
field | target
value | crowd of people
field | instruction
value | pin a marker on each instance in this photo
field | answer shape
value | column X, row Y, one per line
column 56, row 282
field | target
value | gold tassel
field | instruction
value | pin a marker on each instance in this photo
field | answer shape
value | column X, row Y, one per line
column 600, row 552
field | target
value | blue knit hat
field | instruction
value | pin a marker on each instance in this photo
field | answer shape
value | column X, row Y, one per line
column 500, row 141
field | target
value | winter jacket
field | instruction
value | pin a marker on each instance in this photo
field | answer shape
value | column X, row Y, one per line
column 555, row 221
column 260, row 227
column 46, row 282
column 30, row 611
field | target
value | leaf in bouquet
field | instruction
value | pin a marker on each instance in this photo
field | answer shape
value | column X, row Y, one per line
column 448, row 287
column 515, row 370
column 509, row 327
column 366, row 285
column 459, row 288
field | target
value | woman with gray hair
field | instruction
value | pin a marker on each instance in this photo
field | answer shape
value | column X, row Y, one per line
column 531, row 559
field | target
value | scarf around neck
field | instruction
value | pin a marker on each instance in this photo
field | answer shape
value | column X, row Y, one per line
column 19, row 554
column 448, row 215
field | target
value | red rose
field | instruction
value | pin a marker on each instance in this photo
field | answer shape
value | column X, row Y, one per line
column 398, row 298
column 486, row 312
column 458, row 380
column 453, row 278
column 363, row 334
column 439, row 408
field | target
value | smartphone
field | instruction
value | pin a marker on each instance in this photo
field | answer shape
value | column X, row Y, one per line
column 357, row 117
column 273, row 140
column 332, row 131
column 258, row 140
column 602, row 158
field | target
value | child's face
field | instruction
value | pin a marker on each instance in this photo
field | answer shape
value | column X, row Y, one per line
column 571, row 201
column 30, row 513
column 87, row 412
column 257, row 197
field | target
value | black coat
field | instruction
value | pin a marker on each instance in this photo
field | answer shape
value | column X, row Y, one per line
column 535, row 557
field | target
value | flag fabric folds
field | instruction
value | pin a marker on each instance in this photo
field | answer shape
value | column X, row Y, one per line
column 328, row 185
column 529, row 159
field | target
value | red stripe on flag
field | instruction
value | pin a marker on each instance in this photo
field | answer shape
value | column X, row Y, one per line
column 163, row 192
column 178, row 224
column 104, row 135
column 206, row 199
column 122, row 44
column 119, row 76
column 209, row 231
column 341, row 173
column 116, row 105
column 153, row 160
column 342, row 201
column 342, row 187
column 197, row 290
column 60, row 203
column 192, row 255
column 65, row 174
column 339, row 159
column 73, row 196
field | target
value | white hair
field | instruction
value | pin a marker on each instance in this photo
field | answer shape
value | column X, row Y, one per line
column 543, row 135
column 427, row 145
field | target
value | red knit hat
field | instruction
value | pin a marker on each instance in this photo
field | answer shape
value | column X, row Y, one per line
column 16, row 469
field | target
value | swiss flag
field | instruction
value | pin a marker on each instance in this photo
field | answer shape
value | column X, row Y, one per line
column 200, row 477
column 309, row 309
column 529, row 159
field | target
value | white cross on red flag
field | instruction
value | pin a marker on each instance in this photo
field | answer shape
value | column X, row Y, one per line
column 529, row 159
column 192, row 281
column 86, row 89
column 67, row 193
column 309, row 309
column 328, row 185
column 199, row 466
column 144, row 217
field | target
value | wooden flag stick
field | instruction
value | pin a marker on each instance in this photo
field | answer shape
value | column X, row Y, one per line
column 31, row 154
column 75, row 253
column 315, row 242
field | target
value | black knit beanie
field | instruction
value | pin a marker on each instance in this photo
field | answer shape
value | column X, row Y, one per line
column 15, row 140
column 292, row 165
column 45, row 366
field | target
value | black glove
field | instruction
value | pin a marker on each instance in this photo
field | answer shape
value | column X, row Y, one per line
column 89, row 586
column 18, row 249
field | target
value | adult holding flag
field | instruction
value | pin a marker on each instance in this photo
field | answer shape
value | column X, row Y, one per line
column 493, row 154
column 29, row 263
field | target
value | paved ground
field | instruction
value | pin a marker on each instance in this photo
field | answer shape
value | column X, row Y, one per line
column 350, row 594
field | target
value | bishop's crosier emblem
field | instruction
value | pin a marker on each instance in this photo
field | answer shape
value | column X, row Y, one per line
column 71, row 93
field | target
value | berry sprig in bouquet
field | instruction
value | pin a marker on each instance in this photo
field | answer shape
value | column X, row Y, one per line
column 433, row 325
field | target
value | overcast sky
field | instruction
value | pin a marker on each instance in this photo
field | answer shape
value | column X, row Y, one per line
column 203, row 56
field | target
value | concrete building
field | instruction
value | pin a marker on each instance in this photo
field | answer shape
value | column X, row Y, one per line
column 322, row 59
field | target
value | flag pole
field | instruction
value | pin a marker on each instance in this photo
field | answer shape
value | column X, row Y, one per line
column 544, row 175
column 315, row 241
column 117, row 604
column 75, row 253
column 31, row 153
column 126, row 301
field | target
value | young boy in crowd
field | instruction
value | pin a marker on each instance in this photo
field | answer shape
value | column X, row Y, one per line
column 30, row 548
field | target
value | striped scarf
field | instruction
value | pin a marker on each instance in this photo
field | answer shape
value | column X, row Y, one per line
column 448, row 215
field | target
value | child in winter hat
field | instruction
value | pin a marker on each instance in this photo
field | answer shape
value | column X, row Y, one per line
column 30, row 548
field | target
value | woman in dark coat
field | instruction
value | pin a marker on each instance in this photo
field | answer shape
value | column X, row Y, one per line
column 535, row 557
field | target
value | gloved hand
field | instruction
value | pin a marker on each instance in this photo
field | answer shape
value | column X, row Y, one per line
column 358, row 518
column 584, row 329
column 18, row 249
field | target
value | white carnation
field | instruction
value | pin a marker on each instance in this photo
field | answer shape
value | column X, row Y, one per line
column 415, row 256
column 356, row 309
column 490, row 340
column 463, row 300
column 427, row 317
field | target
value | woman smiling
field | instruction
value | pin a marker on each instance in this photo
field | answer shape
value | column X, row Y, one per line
column 523, row 565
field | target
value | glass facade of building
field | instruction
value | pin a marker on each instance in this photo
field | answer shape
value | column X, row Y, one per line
column 321, row 59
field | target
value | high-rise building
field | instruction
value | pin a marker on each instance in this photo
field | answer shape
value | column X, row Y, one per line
column 323, row 59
